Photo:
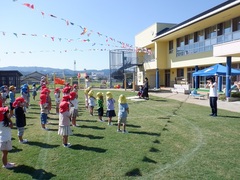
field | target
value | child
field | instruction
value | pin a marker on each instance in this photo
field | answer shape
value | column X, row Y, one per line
column 140, row 92
column 64, row 123
column 110, row 107
column 123, row 111
column 4, row 94
column 100, row 105
column 91, row 102
column 20, row 118
column 34, row 91
column 46, row 91
column 44, row 110
column 57, row 99
column 74, row 107
column 5, row 136
column 11, row 99
column 86, row 91
column 25, row 96
column 75, row 89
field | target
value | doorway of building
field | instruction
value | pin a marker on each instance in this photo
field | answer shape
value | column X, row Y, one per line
column 167, row 78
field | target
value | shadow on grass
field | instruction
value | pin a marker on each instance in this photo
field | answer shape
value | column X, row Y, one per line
column 54, row 119
column 35, row 173
column 51, row 123
column 35, row 108
column 153, row 150
column 30, row 117
column 146, row 133
column 86, row 148
column 31, row 112
column 134, row 126
column 87, row 120
column 42, row 145
column 49, row 129
column 165, row 129
column 159, row 100
column 146, row 159
column 234, row 117
column 57, row 119
column 157, row 142
column 89, row 136
column 135, row 172
column 15, row 150
column 163, row 117
column 93, row 127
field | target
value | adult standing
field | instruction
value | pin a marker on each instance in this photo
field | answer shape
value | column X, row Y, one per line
column 213, row 96
column 145, row 89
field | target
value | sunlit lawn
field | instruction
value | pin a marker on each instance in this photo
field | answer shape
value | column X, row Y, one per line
column 167, row 139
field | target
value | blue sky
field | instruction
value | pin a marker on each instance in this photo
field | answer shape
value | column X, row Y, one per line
column 120, row 20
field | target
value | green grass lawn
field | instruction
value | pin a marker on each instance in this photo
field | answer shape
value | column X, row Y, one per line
column 167, row 139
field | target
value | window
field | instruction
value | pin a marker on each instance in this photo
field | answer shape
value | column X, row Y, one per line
column 180, row 72
column 186, row 40
column 180, row 42
column 207, row 33
column 191, row 38
column 227, row 27
column 236, row 24
column 220, row 29
column 11, row 80
column 170, row 47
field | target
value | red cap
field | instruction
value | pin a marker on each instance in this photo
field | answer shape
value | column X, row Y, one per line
column 66, row 90
column 2, row 112
column 73, row 95
column 18, row 101
column 65, row 98
column 56, row 90
column 64, row 106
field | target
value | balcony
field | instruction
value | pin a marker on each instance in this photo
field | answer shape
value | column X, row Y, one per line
column 150, row 64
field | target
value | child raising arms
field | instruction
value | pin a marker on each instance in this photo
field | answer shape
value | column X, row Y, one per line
column 5, row 136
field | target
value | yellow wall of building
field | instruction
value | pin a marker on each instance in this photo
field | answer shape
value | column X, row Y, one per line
column 144, row 38
column 161, row 55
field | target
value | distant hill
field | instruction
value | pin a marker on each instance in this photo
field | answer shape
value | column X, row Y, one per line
column 46, row 70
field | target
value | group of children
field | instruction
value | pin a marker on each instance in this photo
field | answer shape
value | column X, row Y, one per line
column 66, row 108
column 110, row 107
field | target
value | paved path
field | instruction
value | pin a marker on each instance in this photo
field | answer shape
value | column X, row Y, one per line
column 229, row 106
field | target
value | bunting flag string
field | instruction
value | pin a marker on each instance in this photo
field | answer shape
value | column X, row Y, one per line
column 144, row 50
column 53, row 38
column 84, row 29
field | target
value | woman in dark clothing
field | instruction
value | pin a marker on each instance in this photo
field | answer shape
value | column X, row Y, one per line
column 145, row 89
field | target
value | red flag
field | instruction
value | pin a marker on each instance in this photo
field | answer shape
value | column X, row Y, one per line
column 59, row 81
column 31, row 6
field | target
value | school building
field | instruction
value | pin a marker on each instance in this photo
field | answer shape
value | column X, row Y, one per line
column 178, row 50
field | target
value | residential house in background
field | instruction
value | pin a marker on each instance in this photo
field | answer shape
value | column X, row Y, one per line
column 31, row 78
column 11, row 78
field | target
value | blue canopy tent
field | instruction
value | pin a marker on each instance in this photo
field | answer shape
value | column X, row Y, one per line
column 219, row 70
column 216, row 70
